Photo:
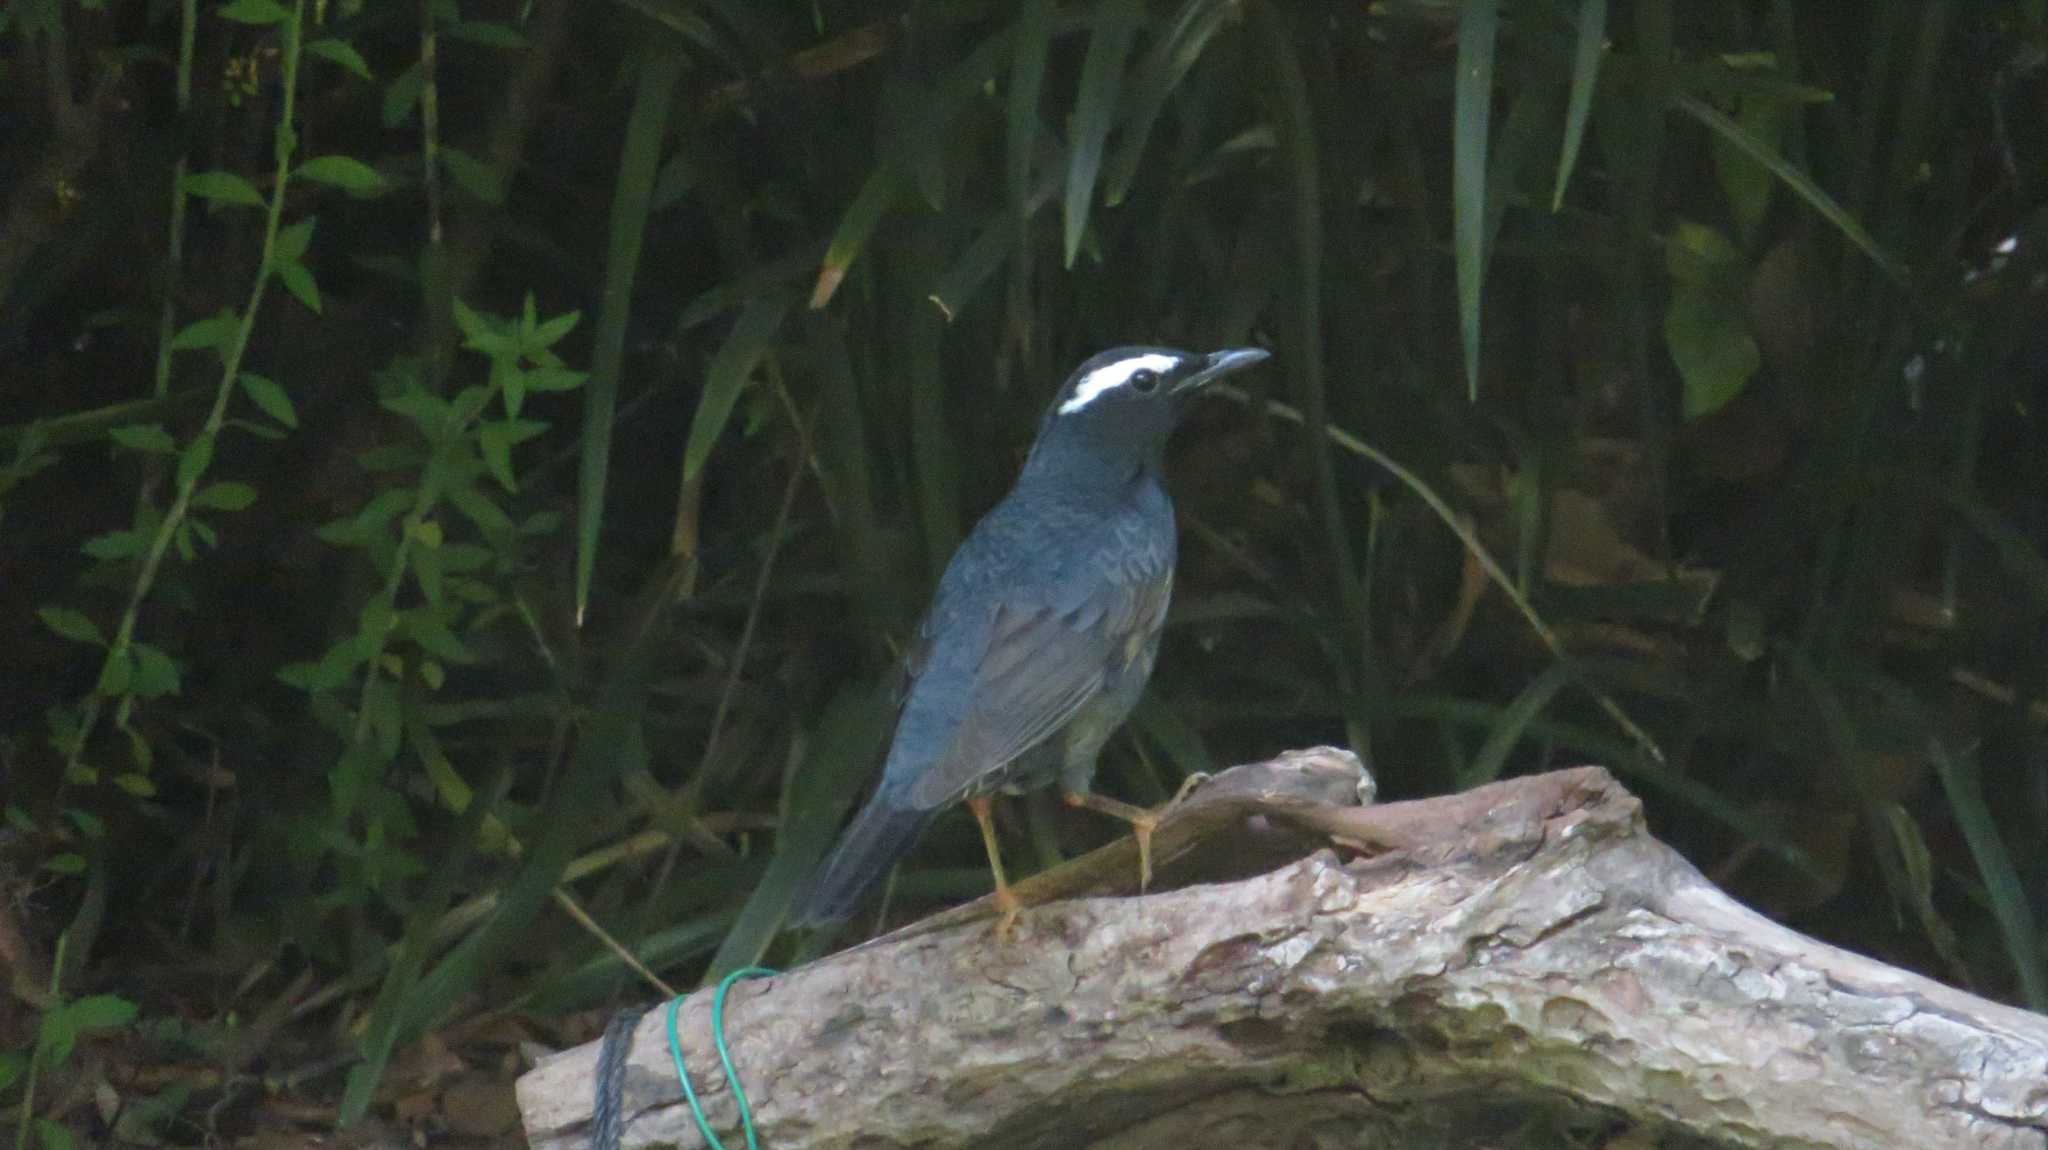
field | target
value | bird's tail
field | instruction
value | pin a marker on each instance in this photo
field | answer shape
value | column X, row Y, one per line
column 882, row 833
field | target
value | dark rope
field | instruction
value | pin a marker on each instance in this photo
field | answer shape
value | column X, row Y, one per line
column 607, row 1104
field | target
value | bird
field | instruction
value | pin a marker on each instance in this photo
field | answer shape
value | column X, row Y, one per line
column 1043, row 629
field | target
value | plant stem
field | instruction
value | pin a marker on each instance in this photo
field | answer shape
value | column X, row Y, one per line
column 181, row 504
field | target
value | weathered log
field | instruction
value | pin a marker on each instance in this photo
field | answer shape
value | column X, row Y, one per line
column 1519, row 965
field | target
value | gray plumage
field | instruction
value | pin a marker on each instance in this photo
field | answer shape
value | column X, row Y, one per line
column 1046, row 623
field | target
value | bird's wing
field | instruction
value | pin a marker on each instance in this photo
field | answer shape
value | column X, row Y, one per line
column 1041, row 665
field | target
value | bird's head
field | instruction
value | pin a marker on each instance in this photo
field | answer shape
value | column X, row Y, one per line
column 1123, row 404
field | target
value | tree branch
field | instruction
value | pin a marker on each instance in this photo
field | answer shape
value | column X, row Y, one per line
column 1519, row 965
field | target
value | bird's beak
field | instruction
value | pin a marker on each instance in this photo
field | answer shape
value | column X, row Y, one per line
column 1218, row 364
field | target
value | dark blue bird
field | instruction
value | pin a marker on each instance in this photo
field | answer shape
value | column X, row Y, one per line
column 1044, row 627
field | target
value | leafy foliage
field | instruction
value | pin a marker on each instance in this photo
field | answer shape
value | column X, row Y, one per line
column 387, row 616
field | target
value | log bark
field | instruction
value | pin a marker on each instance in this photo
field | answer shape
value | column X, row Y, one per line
column 1518, row 965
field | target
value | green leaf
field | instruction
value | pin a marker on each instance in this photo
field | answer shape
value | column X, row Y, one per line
column 730, row 369
column 402, row 94
column 73, row 625
column 269, row 397
column 1747, row 183
column 117, row 672
column 1592, row 44
column 1095, row 107
column 225, row 497
column 254, row 12
column 312, row 677
column 550, row 332
column 479, row 509
column 12, row 1064
column 65, row 864
column 298, row 281
column 484, row 333
column 1709, row 340
column 138, row 785
column 139, row 751
column 1478, row 22
column 475, row 177
column 212, row 332
column 496, row 438
column 89, row 825
column 101, row 1012
column 293, row 240
column 1698, row 254
column 436, row 639
column 343, row 53
column 145, row 437
column 487, row 33
column 155, row 674
column 381, row 712
column 345, row 172
column 195, row 459
column 54, row 1135
column 222, row 187
column 116, row 545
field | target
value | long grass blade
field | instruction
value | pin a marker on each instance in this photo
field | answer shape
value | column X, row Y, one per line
column 1095, row 109
column 1963, row 783
column 1304, row 350
column 1592, row 44
column 731, row 367
column 1514, row 722
column 1033, row 32
column 1472, row 109
column 840, row 755
column 631, row 196
column 1801, row 184
column 1165, row 64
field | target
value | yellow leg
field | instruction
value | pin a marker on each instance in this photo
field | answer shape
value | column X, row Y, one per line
column 1006, row 900
column 1143, row 823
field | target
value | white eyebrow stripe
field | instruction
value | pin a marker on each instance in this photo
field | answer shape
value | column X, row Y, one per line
column 1113, row 375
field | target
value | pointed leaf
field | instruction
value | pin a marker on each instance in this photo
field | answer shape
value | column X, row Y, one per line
column 267, row 395
column 730, row 369
column 255, row 12
column 1095, row 107
column 344, row 172
column 145, row 437
column 211, row 332
column 1592, row 44
column 1472, row 110
column 72, row 624
column 1802, row 185
column 343, row 53
column 223, row 188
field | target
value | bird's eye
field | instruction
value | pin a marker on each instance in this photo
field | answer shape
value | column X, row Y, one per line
column 1144, row 381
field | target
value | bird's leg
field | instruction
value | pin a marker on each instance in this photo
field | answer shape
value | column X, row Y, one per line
column 1006, row 899
column 1143, row 823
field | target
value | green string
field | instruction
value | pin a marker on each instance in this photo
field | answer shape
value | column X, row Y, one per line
column 732, row 1078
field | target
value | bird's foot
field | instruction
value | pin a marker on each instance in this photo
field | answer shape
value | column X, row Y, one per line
column 1143, row 823
column 1188, row 786
column 1008, row 907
